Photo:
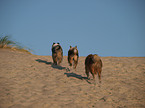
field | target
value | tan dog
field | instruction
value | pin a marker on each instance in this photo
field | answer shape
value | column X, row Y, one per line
column 93, row 64
column 73, row 56
column 57, row 53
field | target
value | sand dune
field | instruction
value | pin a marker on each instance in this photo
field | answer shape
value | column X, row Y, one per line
column 31, row 81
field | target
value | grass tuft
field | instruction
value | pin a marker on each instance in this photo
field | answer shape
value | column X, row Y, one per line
column 7, row 43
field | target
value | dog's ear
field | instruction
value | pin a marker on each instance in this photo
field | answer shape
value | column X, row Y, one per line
column 75, row 46
column 70, row 46
column 53, row 43
column 57, row 42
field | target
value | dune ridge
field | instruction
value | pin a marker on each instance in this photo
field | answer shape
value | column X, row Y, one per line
column 31, row 81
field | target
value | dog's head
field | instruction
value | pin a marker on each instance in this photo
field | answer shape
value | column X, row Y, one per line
column 74, row 49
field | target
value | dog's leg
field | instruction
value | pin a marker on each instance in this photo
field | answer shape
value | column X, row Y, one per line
column 87, row 72
column 75, row 61
column 93, row 74
column 99, row 75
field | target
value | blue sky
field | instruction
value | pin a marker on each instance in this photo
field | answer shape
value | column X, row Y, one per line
column 104, row 27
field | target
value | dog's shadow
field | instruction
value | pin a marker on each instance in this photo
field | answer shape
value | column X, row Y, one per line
column 43, row 61
column 50, row 63
column 58, row 67
column 77, row 76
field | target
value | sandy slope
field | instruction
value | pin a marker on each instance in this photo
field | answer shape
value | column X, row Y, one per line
column 30, row 81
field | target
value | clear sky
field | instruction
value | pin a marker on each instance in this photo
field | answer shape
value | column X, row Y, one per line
column 104, row 27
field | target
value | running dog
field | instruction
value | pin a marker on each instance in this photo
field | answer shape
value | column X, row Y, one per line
column 93, row 64
column 57, row 53
column 73, row 56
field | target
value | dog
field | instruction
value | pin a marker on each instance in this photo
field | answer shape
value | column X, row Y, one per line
column 93, row 64
column 57, row 53
column 73, row 56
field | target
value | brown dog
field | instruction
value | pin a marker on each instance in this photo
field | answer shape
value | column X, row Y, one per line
column 57, row 53
column 93, row 64
column 73, row 56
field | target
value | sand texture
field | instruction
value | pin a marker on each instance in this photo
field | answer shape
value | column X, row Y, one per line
column 31, row 81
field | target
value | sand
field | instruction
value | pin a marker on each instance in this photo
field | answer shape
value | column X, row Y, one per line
column 31, row 81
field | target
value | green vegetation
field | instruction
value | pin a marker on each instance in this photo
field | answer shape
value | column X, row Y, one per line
column 6, row 42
